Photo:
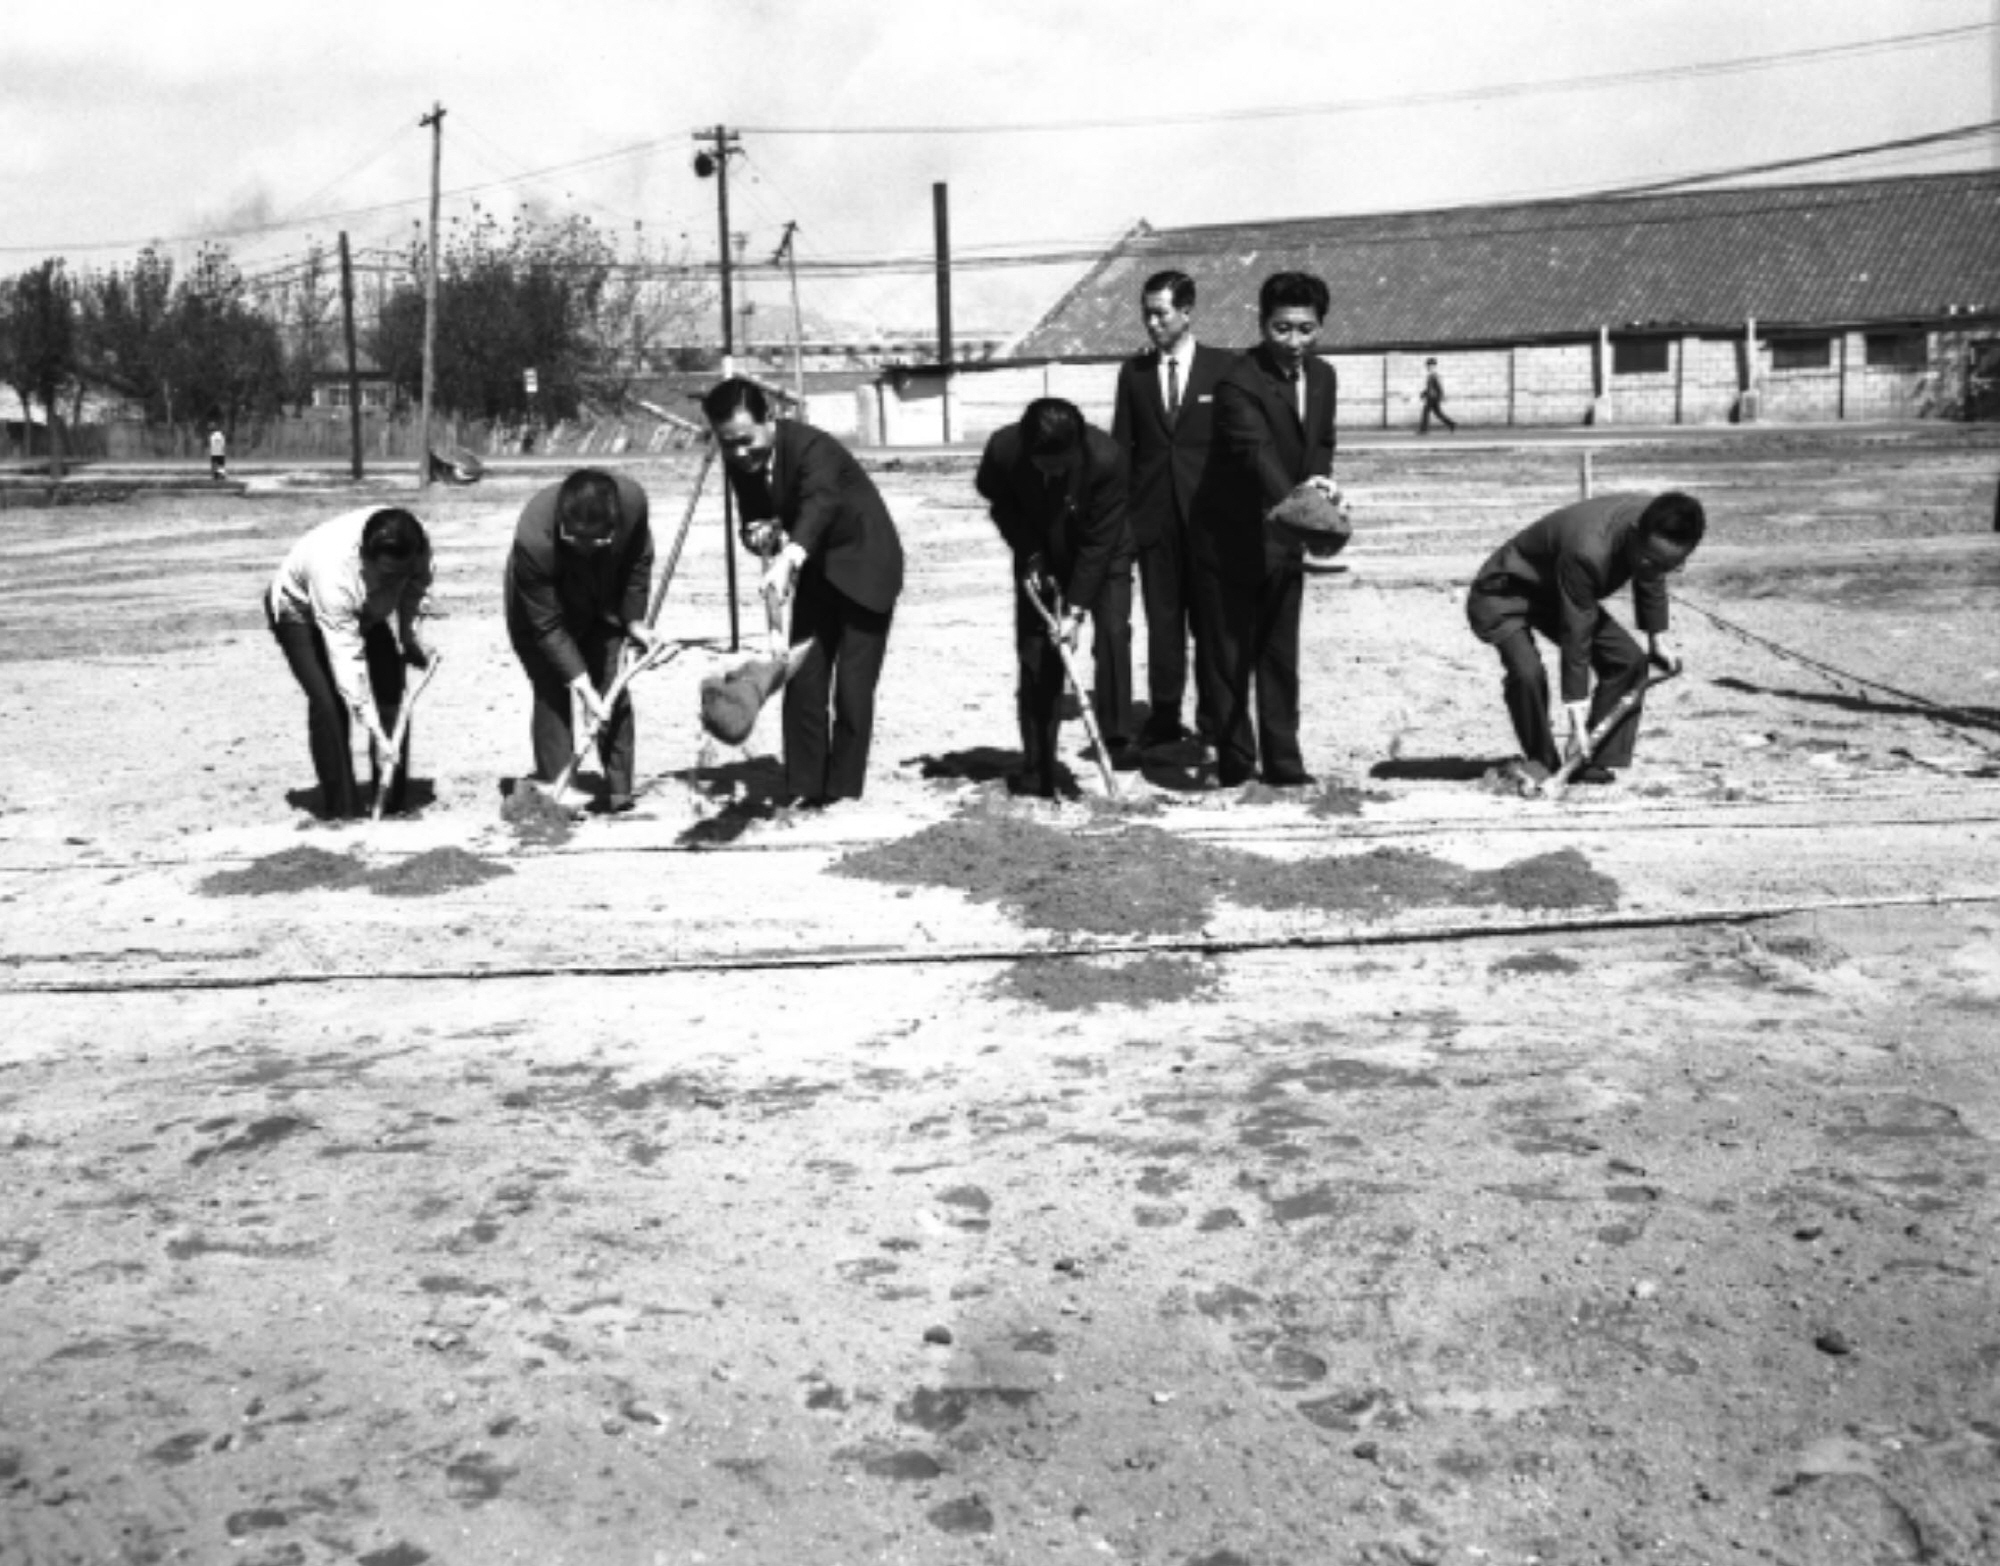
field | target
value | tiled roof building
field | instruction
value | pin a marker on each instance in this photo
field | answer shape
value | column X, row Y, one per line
column 1854, row 254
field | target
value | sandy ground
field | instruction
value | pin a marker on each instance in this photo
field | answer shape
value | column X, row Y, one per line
column 1251, row 1180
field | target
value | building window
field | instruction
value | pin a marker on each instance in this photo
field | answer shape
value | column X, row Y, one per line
column 1897, row 350
column 1801, row 353
column 1639, row 355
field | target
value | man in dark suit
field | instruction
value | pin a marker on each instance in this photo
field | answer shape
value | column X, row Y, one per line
column 1056, row 487
column 1164, row 421
column 832, row 549
column 1433, row 400
column 1555, row 577
column 576, row 589
column 1274, row 414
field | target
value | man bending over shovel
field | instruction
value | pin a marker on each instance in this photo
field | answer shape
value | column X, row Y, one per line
column 343, row 607
column 1057, row 488
column 576, row 590
column 831, row 550
column 1555, row 577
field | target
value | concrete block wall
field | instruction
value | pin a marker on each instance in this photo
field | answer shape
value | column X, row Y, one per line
column 1549, row 385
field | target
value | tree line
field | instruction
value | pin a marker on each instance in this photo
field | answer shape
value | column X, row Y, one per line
column 206, row 347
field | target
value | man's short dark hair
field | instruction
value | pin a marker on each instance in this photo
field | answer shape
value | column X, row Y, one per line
column 1051, row 427
column 725, row 398
column 1289, row 290
column 393, row 534
column 1172, row 281
column 1429, row 362
column 587, row 506
column 1676, row 518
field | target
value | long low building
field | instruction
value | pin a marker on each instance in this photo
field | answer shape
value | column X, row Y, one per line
column 1857, row 300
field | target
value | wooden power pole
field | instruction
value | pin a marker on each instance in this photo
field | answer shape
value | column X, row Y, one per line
column 706, row 163
column 435, row 121
column 353, row 371
column 941, row 212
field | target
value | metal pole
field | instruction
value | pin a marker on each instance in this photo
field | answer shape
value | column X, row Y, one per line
column 723, row 142
column 353, row 373
column 435, row 120
column 941, row 215
column 798, row 322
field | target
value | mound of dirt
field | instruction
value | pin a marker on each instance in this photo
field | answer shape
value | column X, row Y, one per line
column 534, row 816
column 301, row 869
column 315, row 870
column 1146, row 881
column 1086, row 983
column 435, row 870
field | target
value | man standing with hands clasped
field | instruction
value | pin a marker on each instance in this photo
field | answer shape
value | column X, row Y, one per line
column 575, row 591
column 1555, row 578
column 832, row 551
column 1164, row 422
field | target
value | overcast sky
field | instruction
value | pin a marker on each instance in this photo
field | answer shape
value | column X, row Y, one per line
column 121, row 123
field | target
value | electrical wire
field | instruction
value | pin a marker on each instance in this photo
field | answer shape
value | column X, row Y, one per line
column 1506, row 90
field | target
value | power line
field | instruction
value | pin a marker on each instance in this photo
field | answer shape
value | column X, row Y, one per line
column 1401, row 100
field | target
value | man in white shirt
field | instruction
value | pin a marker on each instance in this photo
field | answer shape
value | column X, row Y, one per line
column 331, row 606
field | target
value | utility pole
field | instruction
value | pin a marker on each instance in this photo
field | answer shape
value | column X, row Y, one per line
column 715, row 163
column 435, row 122
column 353, row 372
column 788, row 253
column 941, row 212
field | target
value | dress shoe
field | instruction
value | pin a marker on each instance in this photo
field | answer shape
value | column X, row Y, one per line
column 1126, row 757
column 1157, row 736
column 1592, row 773
column 1232, row 777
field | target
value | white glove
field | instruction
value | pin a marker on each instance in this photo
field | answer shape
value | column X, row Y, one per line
column 1577, row 714
column 593, row 704
column 781, row 575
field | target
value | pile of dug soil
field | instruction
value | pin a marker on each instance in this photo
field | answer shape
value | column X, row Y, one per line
column 315, row 870
column 1085, row 983
column 1146, row 881
column 435, row 870
column 535, row 816
column 300, row 869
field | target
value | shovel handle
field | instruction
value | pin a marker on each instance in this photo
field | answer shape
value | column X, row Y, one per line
column 661, row 652
column 1076, row 683
column 401, row 732
column 1559, row 779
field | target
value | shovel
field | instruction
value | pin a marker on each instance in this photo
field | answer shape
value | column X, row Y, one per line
column 660, row 652
column 401, row 733
column 1559, row 779
column 731, row 703
column 1076, row 683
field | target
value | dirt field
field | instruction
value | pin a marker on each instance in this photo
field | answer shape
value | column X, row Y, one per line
column 1402, row 1173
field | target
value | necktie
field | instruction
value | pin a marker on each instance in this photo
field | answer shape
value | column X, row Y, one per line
column 1173, row 390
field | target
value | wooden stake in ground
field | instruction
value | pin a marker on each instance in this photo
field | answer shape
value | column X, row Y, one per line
column 402, row 731
column 1076, row 684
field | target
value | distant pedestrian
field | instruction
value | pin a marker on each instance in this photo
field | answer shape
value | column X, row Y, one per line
column 575, row 591
column 1555, row 578
column 218, row 454
column 331, row 607
column 1433, row 396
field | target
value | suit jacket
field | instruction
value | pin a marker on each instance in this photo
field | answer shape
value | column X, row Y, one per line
column 817, row 492
column 1168, row 460
column 1077, row 523
column 557, row 595
column 1263, row 451
column 1562, row 568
